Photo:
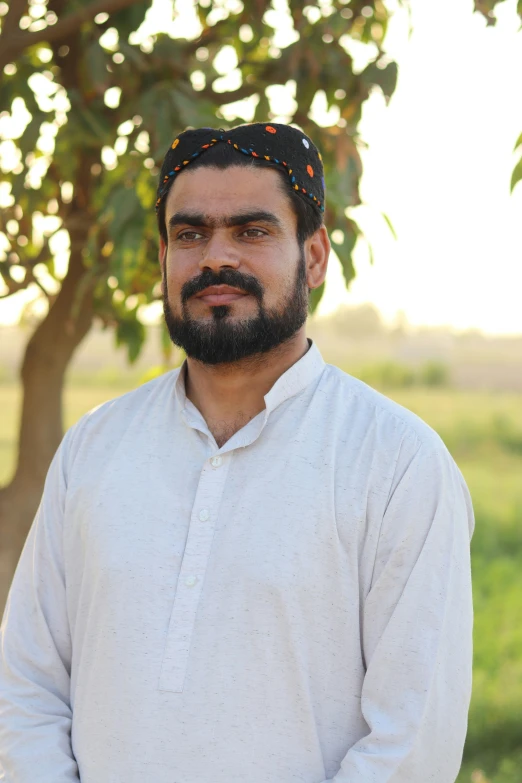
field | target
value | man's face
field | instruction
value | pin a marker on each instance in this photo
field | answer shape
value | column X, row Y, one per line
column 231, row 227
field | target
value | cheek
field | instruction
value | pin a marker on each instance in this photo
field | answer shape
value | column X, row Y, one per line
column 177, row 271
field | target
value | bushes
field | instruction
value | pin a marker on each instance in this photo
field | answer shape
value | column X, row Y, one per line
column 396, row 375
column 434, row 374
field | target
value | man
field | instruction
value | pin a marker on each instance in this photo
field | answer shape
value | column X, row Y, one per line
column 254, row 568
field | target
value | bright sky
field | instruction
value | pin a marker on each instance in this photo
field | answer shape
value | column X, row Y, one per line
column 439, row 163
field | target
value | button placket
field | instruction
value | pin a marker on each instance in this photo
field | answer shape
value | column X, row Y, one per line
column 191, row 576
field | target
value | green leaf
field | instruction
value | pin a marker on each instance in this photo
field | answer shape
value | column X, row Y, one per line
column 146, row 189
column 88, row 125
column 517, row 174
column 134, row 54
column 127, row 20
column 351, row 233
column 30, row 136
column 96, row 65
column 130, row 243
column 16, row 86
column 342, row 183
column 51, row 267
column 193, row 112
column 262, row 109
column 163, row 131
column 18, row 186
column 131, row 333
column 385, row 78
column 390, row 225
column 125, row 207
column 518, row 143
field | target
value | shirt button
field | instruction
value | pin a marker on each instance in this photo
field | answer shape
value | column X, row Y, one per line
column 190, row 581
column 204, row 515
column 216, row 462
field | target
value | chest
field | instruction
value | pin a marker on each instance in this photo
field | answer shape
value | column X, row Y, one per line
column 286, row 521
column 272, row 518
column 223, row 429
column 164, row 555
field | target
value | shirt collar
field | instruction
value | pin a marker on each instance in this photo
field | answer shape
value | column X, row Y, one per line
column 296, row 378
column 290, row 383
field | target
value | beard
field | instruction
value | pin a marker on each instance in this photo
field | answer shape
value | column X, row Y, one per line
column 221, row 339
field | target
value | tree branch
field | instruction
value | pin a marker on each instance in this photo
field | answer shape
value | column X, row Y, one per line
column 209, row 36
column 245, row 91
column 43, row 254
column 41, row 287
column 12, row 48
column 13, row 286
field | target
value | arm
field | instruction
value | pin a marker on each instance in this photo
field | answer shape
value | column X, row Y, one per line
column 35, row 656
column 417, row 631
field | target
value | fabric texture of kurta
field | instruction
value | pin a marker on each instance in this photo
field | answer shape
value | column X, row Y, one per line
column 293, row 607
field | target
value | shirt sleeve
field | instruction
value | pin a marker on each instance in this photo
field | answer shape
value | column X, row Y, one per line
column 35, row 657
column 417, row 631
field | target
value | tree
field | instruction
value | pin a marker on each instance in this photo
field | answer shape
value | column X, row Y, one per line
column 102, row 110
column 487, row 9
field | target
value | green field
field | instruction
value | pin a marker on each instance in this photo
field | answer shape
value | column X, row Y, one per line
column 484, row 433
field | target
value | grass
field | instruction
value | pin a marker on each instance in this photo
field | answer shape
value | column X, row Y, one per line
column 484, row 433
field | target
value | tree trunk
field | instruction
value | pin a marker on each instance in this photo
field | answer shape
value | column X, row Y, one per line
column 47, row 356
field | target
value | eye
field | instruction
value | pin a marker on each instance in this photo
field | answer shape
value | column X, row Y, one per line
column 189, row 236
column 257, row 232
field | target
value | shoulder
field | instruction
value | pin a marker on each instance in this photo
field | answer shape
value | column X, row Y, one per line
column 374, row 411
column 420, row 467
column 108, row 422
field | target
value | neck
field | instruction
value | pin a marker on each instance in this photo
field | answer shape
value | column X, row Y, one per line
column 235, row 392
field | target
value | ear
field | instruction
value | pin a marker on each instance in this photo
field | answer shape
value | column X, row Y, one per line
column 317, row 254
column 162, row 254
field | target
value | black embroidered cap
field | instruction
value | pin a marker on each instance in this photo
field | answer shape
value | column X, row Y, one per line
column 282, row 145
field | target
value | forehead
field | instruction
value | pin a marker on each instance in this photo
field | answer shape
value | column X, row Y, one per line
column 234, row 189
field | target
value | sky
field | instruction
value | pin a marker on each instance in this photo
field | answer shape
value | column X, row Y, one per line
column 438, row 163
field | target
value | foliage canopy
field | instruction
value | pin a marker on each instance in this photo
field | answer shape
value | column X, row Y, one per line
column 103, row 103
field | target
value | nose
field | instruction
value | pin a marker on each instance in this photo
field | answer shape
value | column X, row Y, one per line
column 219, row 252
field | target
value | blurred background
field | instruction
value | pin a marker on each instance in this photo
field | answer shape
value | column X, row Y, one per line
column 416, row 109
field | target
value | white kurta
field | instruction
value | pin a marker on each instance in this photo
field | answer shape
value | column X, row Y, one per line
column 293, row 606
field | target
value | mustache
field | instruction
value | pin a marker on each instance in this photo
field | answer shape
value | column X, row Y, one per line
column 229, row 277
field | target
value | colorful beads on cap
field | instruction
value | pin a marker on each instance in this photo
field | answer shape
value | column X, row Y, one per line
column 276, row 143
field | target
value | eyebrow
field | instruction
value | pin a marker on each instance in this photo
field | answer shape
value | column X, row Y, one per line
column 240, row 219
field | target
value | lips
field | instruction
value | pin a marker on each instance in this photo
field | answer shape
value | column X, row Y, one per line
column 220, row 294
